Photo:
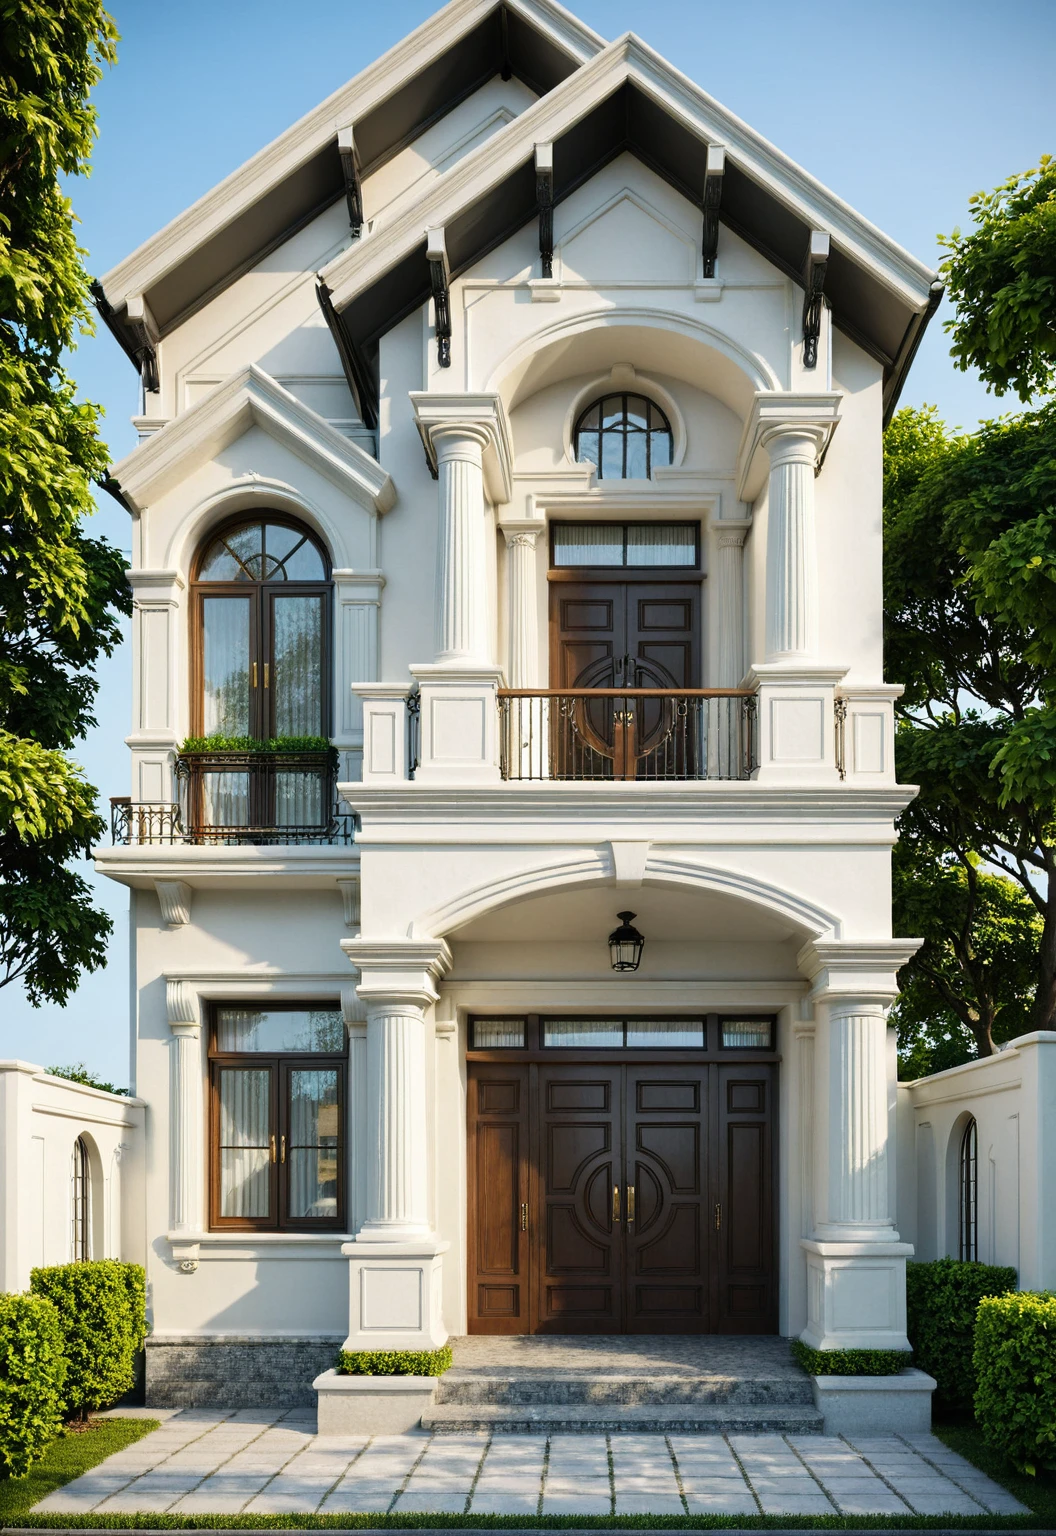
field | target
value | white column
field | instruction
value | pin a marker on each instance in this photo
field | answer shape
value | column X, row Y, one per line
column 461, row 571
column 397, row 1161
column 522, row 606
column 791, row 547
column 729, row 601
column 855, row 1204
column 186, row 1128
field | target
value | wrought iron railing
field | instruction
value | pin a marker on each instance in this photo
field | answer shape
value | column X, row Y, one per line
column 626, row 733
column 249, row 798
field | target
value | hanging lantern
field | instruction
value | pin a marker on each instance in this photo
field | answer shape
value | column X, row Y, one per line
column 625, row 944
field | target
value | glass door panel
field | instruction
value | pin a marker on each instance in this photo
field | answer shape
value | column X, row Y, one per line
column 295, row 683
column 246, row 1130
column 313, row 1149
column 226, row 658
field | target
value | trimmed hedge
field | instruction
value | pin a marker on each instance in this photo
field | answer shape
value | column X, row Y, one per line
column 1015, row 1364
column 850, row 1362
column 102, row 1311
column 942, row 1298
column 394, row 1362
column 32, row 1369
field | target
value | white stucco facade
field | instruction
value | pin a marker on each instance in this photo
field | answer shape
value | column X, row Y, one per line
column 432, row 476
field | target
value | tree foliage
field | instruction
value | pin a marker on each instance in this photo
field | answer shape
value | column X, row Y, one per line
column 61, row 591
column 1001, row 276
column 80, row 1072
column 970, row 598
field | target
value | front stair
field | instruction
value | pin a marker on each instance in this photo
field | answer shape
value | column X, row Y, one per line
column 559, row 1384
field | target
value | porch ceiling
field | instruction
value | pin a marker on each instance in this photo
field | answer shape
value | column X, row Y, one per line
column 664, row 916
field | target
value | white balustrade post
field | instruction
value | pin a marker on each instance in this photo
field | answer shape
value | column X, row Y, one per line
column 791, row 545
column 461, row 602
column 397, row 1164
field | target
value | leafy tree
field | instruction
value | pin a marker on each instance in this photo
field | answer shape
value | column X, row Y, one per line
column 61, row 592
column 1002, row 278
column 78, row 1072
column 970, row 598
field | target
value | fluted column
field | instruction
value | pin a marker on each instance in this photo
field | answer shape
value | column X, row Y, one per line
column 791, row 545
column 461, row 572
column 729, row 599
column 857, row 1204
column 185, row 1128
column 522, row 606
column 397, row 1160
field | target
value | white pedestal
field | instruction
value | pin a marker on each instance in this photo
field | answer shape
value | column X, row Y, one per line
column 856, row 1295
column 385, row 747
column 459, row 724
column 875, row 1405
column 796, row 723
column 395, row 1295
column 372, row 1405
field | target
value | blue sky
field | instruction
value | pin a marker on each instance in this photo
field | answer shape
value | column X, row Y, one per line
column 902, row 109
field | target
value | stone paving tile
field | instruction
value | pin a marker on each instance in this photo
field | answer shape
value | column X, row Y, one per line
column 884, row 1503
column 440, row 1503
column 722, row 1503
column 796, row 1503
column 357, row 1501
column 649, row 1504
column 729, row 1486
column 504, row 1503
column 210, row 1504
column 577, row 1504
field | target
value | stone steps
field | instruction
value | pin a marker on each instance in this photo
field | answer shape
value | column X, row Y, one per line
column 571, row 1390
column 622, row 1418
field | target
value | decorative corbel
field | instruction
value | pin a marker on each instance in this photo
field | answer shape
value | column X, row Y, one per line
column 180, row 1002
column 346, row 146
column 174, row 897
column 440, row 278
column 714, row 170
column 353, row 1008
column 145, row 332
column 350, row 896
column 814, row 270
column 544, row 196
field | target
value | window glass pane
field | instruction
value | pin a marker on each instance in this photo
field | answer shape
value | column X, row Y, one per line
column 235, row 555
column 245, row 1141
column 637, row 468
column 671, row 1034
column 611, row 466
column 299, row 799
column 583, row 1032
column 587, row 452
column 589, row 419
column 225, row 666
column 279, row 1029
column 660, row 449
column 225, row 799
column 297, row 667
column 612, row 411
column 313, row 1145
column 661, row 544
column 637, row 413
column 750, row 1033
column 291, row 555
column 498, row 1034
column 588, row 544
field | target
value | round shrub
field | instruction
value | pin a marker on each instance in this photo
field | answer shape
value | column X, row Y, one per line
column 942, row 1298
column 101, row 1307
column 32, row 1368
column 1015, row 1361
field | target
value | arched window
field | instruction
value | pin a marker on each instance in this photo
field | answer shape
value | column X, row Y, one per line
column 625, row 436
column 81, row 1191
column 967, row 1192
column 262, row 617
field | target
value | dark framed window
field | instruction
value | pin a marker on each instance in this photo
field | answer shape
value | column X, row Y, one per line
column 277, row 1116
column 714, row 1033
column 262, row 615
column 81, row 1192
column 746, row 1034
column 636, row 546
column 968, row 1192
column 625, row 436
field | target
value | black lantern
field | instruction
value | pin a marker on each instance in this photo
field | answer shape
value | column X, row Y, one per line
column 625, row 944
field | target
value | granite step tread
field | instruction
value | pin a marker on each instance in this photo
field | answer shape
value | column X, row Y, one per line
column 600, row 1419
column 569, row 1389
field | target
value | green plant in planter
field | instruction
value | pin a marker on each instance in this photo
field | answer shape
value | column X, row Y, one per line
column 274, row 744
column 850, row 1362
column 394, row 1362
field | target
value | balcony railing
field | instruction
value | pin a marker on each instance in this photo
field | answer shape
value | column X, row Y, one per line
column 626, row 733
column 242, row 798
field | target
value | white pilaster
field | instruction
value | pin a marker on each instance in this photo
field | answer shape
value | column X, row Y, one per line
column 461, row 572
column 523, row 619
column 729, row 602
column 186, row 1133
column 791, row 544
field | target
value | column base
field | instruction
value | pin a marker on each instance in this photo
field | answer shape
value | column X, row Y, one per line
column 395, row 1294
column 856, row 1295
column 796, row 722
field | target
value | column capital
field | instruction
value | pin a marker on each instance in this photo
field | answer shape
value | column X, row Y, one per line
column 523, row 535
column 444, row 418
column 853, row 974
column 399, row 973
column 730, row 534
column 778, row 414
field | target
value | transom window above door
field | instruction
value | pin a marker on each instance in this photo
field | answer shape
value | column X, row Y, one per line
column 632, row 545
column 625, row 436
column 262, row 617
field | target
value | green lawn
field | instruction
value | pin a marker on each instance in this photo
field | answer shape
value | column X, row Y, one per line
column 65, row 1459
column 1037, row 1493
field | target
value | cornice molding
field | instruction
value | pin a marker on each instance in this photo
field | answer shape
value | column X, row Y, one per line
column 250, row 397
column 775, row 412
column 485, row 415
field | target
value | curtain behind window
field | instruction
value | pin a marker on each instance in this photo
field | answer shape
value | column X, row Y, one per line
column 245, row 1141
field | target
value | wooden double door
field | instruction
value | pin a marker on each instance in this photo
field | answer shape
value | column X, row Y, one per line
column 621, row 1198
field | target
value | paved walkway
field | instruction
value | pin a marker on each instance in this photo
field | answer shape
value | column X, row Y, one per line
column 256, row 1462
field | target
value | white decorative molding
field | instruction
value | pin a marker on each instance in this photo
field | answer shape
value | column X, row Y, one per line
column 777, row 411
column 628, row 863
column 484, row 418
column 350, row 897
column 181, row 1004
column 728, row 589
column 174, row 898
column 353, row 1008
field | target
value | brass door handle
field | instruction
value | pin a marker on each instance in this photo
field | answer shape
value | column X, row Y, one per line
column 630, row 1203
column 265, row 674
column 615, row 1202
column 282, row 1146
column 254, row 675
column 718, row 1217
column 524, row 1217
column 272, row 1139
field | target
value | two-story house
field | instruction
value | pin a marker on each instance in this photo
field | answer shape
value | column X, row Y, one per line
column 512, row 791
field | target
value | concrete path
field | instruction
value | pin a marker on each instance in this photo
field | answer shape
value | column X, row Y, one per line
column 255, row 1461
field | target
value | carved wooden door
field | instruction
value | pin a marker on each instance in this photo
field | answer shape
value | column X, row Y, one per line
column 746, row 1282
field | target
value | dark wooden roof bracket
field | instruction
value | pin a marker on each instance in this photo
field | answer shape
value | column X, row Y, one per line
column 544, row 196
column 357, row 374
column 346, row 145
column 713, row 173
column 814, row 270
column 440, row 282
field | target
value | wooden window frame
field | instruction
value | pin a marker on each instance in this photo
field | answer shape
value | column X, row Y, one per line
column 712, row 1049
column 279, row 1065
column 624, row 572
column 968, row 1192
column 258, row 593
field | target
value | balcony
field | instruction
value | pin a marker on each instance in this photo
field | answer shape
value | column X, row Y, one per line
column 226, row 798
column 638, row 734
